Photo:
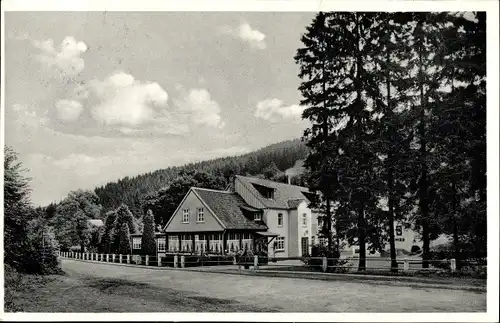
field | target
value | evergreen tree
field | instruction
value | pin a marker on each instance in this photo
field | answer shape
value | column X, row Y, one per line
column 393, row 120
column 16, row 210
column 460, row 125
column 124, row 247
column 107, row 236
column 315, row 62
column 148, row 244
column 123, row 216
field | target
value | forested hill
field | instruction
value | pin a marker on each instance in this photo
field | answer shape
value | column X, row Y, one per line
column 272, row 161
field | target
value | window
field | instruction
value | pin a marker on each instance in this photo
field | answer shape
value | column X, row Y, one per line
column 399, row 230
column 280, row 244
column 267, row 192
column 161, row 244
column 304, row 219
column 257, row 216
column 185, row 216
column 280, row 219
column 136, row 243
column 201, row 215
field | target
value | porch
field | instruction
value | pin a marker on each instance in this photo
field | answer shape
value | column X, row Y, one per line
column 218, row 243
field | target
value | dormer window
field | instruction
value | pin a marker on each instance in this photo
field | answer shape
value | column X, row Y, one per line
column 257, row 216
column 267, row 192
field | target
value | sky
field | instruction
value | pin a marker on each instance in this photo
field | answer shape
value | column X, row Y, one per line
column 91, row 97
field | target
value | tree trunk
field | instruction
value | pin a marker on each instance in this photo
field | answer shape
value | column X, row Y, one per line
column 329, row 225
column 392, row 242
column 362, row 240
column 456, row 252
column 423, row 184
column 390, row 170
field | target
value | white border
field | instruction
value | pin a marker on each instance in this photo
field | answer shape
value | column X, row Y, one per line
column 490, row 6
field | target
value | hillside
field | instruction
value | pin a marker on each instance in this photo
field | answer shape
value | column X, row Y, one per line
column 132, row 190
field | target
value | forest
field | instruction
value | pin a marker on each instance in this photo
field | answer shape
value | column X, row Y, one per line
column 397, row 103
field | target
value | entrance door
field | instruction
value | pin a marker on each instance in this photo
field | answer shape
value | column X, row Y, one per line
column 304, row 243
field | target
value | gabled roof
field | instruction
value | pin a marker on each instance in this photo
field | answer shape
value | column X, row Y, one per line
column 96, row 222
column 283, row 193
column 227, row 207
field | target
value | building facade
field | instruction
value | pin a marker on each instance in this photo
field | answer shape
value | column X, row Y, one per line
column 285, row 212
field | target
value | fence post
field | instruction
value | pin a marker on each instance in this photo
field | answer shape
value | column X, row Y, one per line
column 113, row 258
column 147, row 260
column 159, row 261
column 453, row 265
column 324, row 265
column 183, row 261
column 176, row 260
column 406, row 265
column 255, row 262
column 128, row 259
column 107, row 257
column 234, row 260
column 120, row 258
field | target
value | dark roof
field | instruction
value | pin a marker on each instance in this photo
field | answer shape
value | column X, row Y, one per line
column 283, row 193
column 227, row 208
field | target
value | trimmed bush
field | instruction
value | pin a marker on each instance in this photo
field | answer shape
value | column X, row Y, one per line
column 148, row 243
column 124, row 247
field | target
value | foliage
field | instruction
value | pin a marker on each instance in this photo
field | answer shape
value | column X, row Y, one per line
column 107, row 235
column 71, row 219
column 123, row 216
column 318, row 251
column 29, row 242
column 148, row 242
column 17, row 210
column 42, row 257
column 397, row 107
column 124, row 247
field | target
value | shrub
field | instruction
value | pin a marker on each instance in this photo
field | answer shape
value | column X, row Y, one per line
column 124, row 247
column 148, row 243
column 323, row 251
column 137, row 259
column 42, row 257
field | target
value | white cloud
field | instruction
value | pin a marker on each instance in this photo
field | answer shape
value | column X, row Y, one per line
column 18, row 36
column 201, row 108
column 68, row 110
column 65, row 59
column 28, row 118
column 254, row 37
column 122, row 100
column 275, row 110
